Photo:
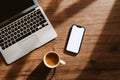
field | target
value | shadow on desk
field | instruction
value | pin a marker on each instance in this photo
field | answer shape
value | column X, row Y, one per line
column 104, row 62
column 1, row 59
column 41, row 73
column 68, row 12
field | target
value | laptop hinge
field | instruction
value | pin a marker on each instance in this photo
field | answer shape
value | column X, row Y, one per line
column 37, row 8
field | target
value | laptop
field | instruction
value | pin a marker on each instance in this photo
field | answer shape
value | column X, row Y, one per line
column 23, row 28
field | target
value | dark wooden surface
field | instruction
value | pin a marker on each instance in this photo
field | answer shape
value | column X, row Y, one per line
column 99, row 57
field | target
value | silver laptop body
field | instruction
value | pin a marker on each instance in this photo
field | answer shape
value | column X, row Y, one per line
column 24, row 32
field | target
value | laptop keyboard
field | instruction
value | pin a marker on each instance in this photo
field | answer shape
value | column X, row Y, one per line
column 21, row 28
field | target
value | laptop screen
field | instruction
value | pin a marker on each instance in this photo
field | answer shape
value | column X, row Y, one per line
column 9, row 8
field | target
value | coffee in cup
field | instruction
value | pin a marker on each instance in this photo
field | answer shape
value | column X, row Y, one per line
column 52, row 59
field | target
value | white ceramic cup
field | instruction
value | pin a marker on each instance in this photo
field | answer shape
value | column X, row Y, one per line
column 52, row 59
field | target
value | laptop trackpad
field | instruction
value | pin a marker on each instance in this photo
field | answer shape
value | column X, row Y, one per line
column 29, row 44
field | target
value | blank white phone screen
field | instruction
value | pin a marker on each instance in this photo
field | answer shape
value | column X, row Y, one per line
column 75, row 39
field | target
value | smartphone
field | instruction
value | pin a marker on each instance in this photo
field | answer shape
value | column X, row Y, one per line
column 75, row 39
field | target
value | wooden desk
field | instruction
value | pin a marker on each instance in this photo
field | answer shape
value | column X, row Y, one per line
column 99, row 58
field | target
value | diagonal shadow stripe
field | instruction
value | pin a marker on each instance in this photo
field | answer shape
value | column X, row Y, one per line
column 67, row 13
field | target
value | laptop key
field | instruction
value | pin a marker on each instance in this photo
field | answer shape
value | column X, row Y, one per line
column 10, row 44
column 1, row 40
column 3, row 48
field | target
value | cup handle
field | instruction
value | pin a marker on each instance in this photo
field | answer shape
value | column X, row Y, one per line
column 62, row 62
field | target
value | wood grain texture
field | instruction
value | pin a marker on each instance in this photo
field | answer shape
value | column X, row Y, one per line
column 99, row 57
